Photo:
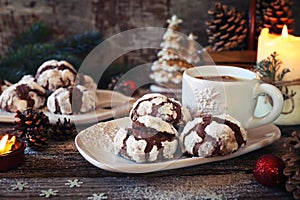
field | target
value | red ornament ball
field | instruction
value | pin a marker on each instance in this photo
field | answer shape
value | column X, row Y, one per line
column 130, row 84
column 268, row 171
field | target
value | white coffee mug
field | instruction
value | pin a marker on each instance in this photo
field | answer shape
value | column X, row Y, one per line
column 214, row 89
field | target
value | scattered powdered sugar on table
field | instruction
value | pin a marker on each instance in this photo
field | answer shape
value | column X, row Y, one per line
column 152, row 192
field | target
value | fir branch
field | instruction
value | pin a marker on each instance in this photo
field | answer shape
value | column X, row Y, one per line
column 27, row 55
column 30, row 49
column 37, row 33
column 269, row 71
column 80, row 44
column 12, row 74
column 283, row 73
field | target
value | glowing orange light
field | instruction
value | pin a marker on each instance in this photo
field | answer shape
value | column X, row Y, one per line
column 284, row 32
column 6, row 144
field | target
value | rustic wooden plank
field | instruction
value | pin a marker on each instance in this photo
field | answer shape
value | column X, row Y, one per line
column 61, row 159
column 225, row 186
column 60, row 162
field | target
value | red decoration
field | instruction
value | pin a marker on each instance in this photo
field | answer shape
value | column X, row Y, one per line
column 126, row 87
column 268, row 171
column 130, row 84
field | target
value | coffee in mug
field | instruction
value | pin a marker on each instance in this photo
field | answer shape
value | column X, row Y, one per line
column 215, row 90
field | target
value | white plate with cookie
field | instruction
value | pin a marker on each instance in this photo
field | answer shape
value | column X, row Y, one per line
column 95, row 144
column 109, row 105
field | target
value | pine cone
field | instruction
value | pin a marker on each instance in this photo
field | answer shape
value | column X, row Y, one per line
column 274, row 14
column 38, row 138
column 63, row 131
column 227, row 30
column 261, row 6
column 30, row 119
column 292, row 163
column 33, row 125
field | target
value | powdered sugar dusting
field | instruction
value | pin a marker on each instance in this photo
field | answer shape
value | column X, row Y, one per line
column 217, row 138
column 158, row 124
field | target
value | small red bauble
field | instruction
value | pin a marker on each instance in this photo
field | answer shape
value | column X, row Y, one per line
column 268, row 171
column 130, row 84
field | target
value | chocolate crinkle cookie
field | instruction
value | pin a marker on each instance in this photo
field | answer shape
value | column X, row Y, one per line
column 212, row 136
column 4, row 84
column 23, row 95
column 54, row 74
column 86, row 81
column 158, row 105
column 27, row 79
column 71, row 100
column 150, row 139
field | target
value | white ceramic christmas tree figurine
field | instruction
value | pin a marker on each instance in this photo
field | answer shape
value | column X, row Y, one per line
column 167, row 70
column 191, row 54
column 174, row 23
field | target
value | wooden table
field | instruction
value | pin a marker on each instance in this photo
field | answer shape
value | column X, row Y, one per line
column 60, row 165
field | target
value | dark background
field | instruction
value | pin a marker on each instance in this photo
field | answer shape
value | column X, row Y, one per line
column 112, row 16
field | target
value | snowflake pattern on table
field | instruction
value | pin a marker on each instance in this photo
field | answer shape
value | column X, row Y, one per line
column 20, row 185
column 206, row 101
column 74, row 183
column 48, row 193
column 98, row 196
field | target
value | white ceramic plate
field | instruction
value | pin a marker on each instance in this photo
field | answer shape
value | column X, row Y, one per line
column 95, row 145
column 109, row 104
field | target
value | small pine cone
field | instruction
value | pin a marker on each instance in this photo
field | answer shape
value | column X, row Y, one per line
column 38, row 138
column 276, row 14
column 292, row 163
column 63, row 131
column 30, row 119
column 227, row 30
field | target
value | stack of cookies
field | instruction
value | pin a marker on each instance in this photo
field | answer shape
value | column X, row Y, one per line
column 162, row 128
column 56, row 85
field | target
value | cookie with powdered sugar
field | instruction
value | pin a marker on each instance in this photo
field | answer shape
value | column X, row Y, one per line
column 4, row 84
column 212, row 136
column 23, row 95
column 150, row 139
column 71, row 100
column 158, row 105
column 54, row 74
column 86, row 81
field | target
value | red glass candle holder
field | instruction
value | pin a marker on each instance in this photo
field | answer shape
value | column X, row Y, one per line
column 14, row 158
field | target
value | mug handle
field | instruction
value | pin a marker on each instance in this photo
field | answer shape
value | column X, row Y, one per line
column 277, row 99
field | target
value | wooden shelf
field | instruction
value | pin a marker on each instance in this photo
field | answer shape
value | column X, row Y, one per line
column 246, row 59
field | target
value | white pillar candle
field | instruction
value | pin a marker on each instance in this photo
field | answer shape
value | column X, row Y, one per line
column 288, row 49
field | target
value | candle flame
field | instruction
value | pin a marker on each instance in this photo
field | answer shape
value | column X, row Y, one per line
column 6, row 144
column 284, row 32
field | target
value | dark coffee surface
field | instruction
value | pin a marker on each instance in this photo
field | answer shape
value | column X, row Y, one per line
column 220, row 78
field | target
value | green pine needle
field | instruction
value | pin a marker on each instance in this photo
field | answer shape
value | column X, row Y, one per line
column 268, row 68
column 269, row 71
column 37, row 33
column 80, row 44
column 31, row 48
